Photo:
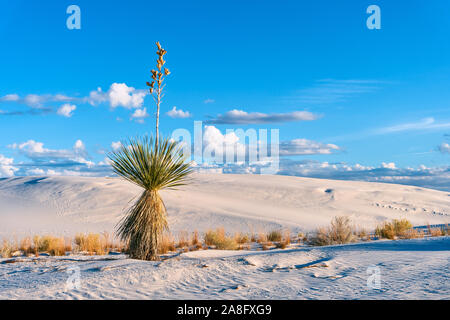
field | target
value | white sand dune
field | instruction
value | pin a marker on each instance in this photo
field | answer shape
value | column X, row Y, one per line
column 406, row 269
column 67, row 205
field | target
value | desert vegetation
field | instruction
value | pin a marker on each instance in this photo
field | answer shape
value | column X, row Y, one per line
column 340, row 231
column 153, row 165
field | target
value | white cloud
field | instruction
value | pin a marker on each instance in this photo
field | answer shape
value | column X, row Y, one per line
column 444, row 147
column 390, row 165
column 306, row 147
column 37, row 152
column 207, row 101
column 424, row 124
column 118, row 95
column 96, row 97
column 121, row 95
column 66, row 110
column 174, row 113
column 241, row 117
column 10, row 97
column 35, row 172
column 116, row 145
column 139, row 115
column 216, row 144
column 6, row 167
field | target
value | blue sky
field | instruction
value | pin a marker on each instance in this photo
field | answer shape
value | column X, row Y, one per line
column 380, row 97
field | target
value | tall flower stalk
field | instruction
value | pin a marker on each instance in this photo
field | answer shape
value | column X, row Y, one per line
column 156, row 86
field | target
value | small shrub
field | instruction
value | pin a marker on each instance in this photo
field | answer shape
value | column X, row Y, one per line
column 26, row 246
column 195, row 240
column 167, row 244
column 320, row 238
column 285, row 240
column 241, row 238
column 274, row 236
column 219, row 239
column 183, row 239
column 281, row 245
column 262, row 237
column 437, row 232
column 7, row 249
column 339, row 232
column 396, row 228
column 49, row 244
column 412, row 234
column 90, row 243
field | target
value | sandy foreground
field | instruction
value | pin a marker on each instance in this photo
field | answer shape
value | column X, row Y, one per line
column 404, row 269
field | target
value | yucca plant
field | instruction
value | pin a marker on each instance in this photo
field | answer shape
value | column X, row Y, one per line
column 153, row 167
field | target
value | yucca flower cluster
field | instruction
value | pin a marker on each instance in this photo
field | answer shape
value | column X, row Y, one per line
column 158, row 76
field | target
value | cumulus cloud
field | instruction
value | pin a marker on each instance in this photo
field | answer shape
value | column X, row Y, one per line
column 174, row 113
column 116, row 145
column 139, row 115
column 66, row 110
column 118, row 95
column 390, row 165
column 241, row 117
column 444, row 148
column 216, row 144
column 6, row 167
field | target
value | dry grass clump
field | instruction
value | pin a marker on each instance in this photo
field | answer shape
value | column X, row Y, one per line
column 436, row 232
column 285, row 240
column 183, row 239
column 195, row 239
column 52, row 245
column 395, row 229
column 339, row 232
column 7, row 249
column 412, row 234
column 167, row 244
column 262, row 237
column 220, row 240
column 274, row 236
column 242, row 238
column 91, row 243
column 362, row 234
